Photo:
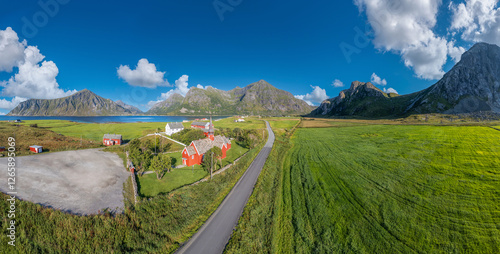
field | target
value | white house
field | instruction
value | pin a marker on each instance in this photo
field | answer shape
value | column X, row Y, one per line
column 239, row 120
column 172, row 128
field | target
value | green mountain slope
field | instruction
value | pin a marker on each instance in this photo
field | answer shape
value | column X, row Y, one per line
column 82, row 103
column 257, row 98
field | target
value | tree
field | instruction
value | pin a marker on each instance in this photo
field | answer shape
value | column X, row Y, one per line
column 210, row 157
column 159, row 164
column 157, row 167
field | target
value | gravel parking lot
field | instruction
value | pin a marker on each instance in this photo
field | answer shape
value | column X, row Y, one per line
column 79, row 182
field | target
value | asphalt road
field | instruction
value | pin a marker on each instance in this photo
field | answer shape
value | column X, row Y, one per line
column 213, row 236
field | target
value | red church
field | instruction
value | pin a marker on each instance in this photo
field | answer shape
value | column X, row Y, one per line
column 193, row 154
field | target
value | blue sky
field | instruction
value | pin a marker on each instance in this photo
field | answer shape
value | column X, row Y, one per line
column 297, row 46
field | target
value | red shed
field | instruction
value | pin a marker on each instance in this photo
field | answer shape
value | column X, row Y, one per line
column 2, row 148
column 36, row 149
column 112, row 139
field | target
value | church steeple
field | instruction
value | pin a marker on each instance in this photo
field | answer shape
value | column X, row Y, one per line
column 211, row 132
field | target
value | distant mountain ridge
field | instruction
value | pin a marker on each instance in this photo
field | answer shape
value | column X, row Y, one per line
column 257, row 98
column 472, row 85
column 82, row 103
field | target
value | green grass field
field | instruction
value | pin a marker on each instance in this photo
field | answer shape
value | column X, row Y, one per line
column 96, row 131
column 379, row 189
column 249, row 123
column 150, row 186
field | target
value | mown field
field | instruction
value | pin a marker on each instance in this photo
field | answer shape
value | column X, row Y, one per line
column 377, row 189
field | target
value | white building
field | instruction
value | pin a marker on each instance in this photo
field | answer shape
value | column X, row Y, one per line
column 239, row 120
column 172, row 128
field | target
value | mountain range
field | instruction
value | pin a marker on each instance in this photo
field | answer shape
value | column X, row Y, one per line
column 472, row 85
column 259, row 98
column 82, row 103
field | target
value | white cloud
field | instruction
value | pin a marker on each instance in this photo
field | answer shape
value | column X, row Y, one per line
column 2, row 114
column 200, row 86
column 5, row 104
column 11, row 49
column 181, row 87
column 478, row 20
column 315, row 97
column 375, row 79
column 390, row 90
column 405, row 27
column 337, row 83
column 144, row 75
column 34, row 79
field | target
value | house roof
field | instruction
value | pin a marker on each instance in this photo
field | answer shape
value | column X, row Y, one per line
column 175, row 125
column 35, row 146
column 190, row 150
column 112, row 136
column 203, row 145
column 199, row 123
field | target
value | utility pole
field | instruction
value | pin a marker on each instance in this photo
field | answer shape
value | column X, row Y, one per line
column 212, row 167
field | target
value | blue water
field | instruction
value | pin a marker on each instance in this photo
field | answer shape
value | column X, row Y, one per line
column 108, row 119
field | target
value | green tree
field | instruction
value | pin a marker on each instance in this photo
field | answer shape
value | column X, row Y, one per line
column 210, row 159
column 159, row 164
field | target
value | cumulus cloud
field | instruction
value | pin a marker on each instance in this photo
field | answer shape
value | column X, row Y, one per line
column 375, row 79
column 315, row 97
column 36, row 78
column 406, row 28
column 181, row 87
column 200, row 86
column 6, row 104
column 390, row 90
column 144, row 75
column 11, row 49
column 478, row 20
column 337, row 83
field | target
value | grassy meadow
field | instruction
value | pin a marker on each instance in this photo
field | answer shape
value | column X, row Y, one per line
column 95, row 131
column 149, row 186
column 377, row 189
column 27, row 136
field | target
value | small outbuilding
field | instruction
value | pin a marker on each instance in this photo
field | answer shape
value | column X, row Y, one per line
column 36, row 149
column 2, row 148
column 112, row 139
column 172, row 128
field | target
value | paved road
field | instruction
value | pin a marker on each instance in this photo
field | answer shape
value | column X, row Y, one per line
column 215, row 233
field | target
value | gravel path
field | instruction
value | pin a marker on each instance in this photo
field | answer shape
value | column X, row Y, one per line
column 79, row 182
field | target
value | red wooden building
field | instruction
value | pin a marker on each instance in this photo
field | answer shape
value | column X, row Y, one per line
column 193, row 154
column 207, row 128
column 2, row 148
column 36, row 149
column 200, row 125
column 112, row 139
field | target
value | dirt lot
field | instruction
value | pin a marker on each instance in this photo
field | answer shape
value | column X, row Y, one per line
column 80, row 182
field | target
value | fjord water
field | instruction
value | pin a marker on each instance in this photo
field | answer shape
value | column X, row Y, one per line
column 109, row 119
